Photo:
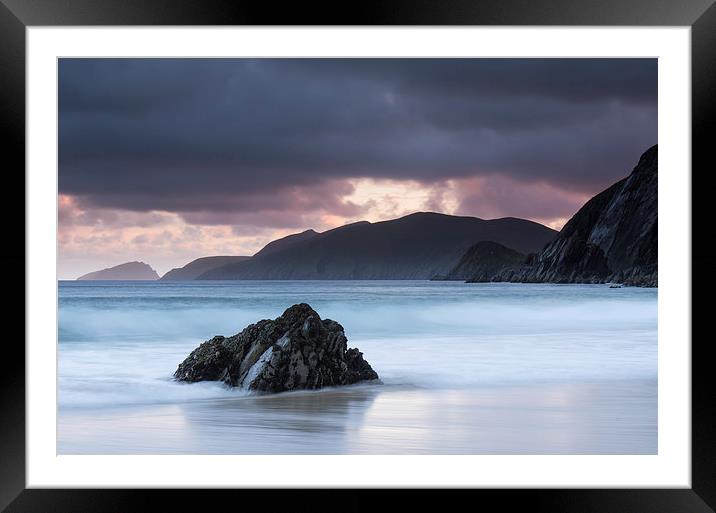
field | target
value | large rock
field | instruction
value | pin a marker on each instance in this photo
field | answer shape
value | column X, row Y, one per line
column 297, row 350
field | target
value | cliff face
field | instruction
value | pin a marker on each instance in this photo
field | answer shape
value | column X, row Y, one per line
column 612, row 238
column 417, row 246
column 128, row 271
column 483, row 261
column 196, row 268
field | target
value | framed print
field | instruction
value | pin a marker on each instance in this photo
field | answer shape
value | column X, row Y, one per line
column 416, row 247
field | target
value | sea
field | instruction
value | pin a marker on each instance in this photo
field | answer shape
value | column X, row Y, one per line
column 495, row 368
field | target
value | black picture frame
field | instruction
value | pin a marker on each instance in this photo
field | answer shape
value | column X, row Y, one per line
column 16, row 15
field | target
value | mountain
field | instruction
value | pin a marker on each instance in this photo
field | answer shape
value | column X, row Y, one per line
column 612, row 238
column 285, row 242
column 484, row 260
column 128, row 271
column 196, row 268
column 417, row 246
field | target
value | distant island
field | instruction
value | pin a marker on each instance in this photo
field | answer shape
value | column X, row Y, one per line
column 128, row 271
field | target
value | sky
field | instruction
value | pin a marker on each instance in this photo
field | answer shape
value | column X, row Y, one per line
column 167, row 160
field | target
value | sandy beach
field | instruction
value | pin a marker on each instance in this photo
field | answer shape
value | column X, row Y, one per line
column 592, row 418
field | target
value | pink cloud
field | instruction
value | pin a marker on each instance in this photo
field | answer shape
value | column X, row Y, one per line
column 288, row 207
column 74, row 211
column 498, row 196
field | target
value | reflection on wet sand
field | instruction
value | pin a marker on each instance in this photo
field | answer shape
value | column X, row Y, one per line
column 617, row 417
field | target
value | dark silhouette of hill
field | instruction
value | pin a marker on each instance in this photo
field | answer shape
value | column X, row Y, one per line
column 285, row 242
column 417, row 246
column 127, row 271
column 196, row 268
column 483, row 261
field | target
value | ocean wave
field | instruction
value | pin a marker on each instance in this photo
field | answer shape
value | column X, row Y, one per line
column 486, row 336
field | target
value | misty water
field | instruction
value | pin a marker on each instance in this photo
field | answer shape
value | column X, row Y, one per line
column 466, row 369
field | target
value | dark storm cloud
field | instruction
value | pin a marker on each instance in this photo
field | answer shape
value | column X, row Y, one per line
column 213, row 135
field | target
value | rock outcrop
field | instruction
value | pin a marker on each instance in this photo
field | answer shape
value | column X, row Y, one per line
column 612, row 238
column 129, row 271
column 297, row 350
column 482, row 261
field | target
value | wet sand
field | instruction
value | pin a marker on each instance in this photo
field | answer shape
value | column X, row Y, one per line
column 609, row 417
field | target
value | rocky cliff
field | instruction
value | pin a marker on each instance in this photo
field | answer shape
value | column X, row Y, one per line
column 612, row 238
